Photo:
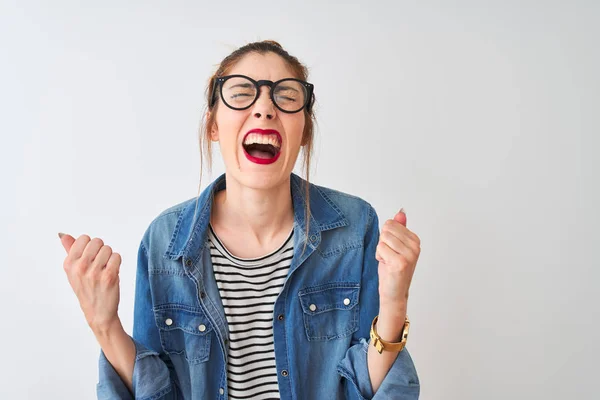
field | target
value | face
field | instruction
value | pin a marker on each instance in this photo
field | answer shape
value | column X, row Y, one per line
column 244, row 160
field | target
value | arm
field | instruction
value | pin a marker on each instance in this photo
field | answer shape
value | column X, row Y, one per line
column 130, row 366
column 389, row 328
column 119, row 350
column 379, row 376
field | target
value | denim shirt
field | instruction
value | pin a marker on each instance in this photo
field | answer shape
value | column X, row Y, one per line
column 320, row 353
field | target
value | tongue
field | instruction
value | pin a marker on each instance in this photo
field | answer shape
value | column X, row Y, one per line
column 260, row 154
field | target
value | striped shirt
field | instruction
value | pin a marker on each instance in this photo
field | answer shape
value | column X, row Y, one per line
column 248, row 289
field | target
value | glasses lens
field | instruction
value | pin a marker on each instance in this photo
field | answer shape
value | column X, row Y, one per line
column 238, row 92
column 290, row 95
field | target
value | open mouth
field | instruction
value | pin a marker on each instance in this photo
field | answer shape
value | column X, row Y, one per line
column 262, row 148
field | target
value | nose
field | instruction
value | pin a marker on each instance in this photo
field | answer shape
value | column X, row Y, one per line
column 264, row 107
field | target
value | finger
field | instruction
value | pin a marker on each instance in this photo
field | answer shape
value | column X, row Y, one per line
column 91, row 250
column 66, row 241
column 102, row 258
column 395, row 243
column 401, row 232
column 386, row 253
column 78, row 247
column 113, row 264
column 400, row 217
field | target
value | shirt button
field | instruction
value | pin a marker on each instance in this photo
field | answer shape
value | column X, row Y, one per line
column 202, row 328
column 221, row 391
column 202, row 295
column 312, row 307
column 346, row 302
column 280, row 317
column 313, row 238
column 169, row 321
column 188, row 262
column 284, row 372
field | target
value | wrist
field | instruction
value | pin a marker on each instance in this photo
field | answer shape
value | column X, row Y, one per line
column 390, row 324
column 108, row 329
column 393, row 311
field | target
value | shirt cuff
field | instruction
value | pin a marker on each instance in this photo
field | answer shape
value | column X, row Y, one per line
column 151, row 378
column 401, row 382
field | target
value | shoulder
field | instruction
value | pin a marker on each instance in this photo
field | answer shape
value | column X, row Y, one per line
column 359, row 215
column 357, row 210
column 163, row 224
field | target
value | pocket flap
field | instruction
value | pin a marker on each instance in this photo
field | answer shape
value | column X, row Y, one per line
column 188, row 319
column 331, row 296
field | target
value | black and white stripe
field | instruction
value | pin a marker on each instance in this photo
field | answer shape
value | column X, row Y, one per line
column 248, row 289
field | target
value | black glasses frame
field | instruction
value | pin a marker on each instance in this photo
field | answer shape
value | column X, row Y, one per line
column 219, row 81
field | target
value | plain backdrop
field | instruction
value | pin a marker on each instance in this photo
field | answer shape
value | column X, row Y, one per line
column 479, row 118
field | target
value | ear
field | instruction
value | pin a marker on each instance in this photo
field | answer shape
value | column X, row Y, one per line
column 214, row 132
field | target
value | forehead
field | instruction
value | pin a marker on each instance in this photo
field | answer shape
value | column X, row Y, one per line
column 262, row 66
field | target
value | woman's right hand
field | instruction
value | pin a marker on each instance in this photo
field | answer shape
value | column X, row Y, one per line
column 93, row 272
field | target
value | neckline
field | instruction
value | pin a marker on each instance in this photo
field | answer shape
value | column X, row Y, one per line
column 228, row 253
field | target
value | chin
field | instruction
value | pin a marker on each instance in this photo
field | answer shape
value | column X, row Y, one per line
column 260, row 178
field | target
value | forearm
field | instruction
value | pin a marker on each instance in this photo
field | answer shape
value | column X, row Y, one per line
column 389, row 328
column 119, row 350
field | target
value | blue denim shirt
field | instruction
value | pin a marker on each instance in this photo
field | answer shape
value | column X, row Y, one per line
column 320, row 354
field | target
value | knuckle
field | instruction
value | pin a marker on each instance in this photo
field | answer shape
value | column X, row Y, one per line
column 97, row 241
column 108, row 278
column 80, row 264
column 84, row 237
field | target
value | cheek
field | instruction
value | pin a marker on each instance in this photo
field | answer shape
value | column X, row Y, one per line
column 229, row 125
column 295, row 128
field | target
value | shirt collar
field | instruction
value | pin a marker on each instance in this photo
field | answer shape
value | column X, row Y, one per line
column 189, row 236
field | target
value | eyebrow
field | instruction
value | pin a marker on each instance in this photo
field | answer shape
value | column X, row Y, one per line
column 244, row 85
column 287, row 88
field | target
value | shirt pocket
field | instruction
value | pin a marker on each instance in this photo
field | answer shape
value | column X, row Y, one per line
column 184, row 331
column 330, row 311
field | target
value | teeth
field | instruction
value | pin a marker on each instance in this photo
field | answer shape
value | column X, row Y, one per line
column 271, row 139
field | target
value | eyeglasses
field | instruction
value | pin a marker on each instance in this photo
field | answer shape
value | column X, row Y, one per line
column 240, row 92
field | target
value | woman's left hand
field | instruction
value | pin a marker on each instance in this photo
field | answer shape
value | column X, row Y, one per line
column 397, row 252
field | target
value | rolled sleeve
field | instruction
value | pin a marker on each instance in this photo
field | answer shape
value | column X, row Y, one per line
column 401, row 382
column 151, row 379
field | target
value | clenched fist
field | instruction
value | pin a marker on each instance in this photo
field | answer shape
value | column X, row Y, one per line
column 93, row 272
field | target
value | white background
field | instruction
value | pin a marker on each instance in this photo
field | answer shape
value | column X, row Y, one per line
column 480, row 118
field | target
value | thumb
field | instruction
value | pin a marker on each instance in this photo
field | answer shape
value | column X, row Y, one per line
column 66, row 240
column 400, row 216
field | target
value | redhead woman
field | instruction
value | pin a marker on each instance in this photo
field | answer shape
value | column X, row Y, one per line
column 265, row 286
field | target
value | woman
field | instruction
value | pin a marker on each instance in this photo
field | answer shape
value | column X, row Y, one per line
column 264, row 286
